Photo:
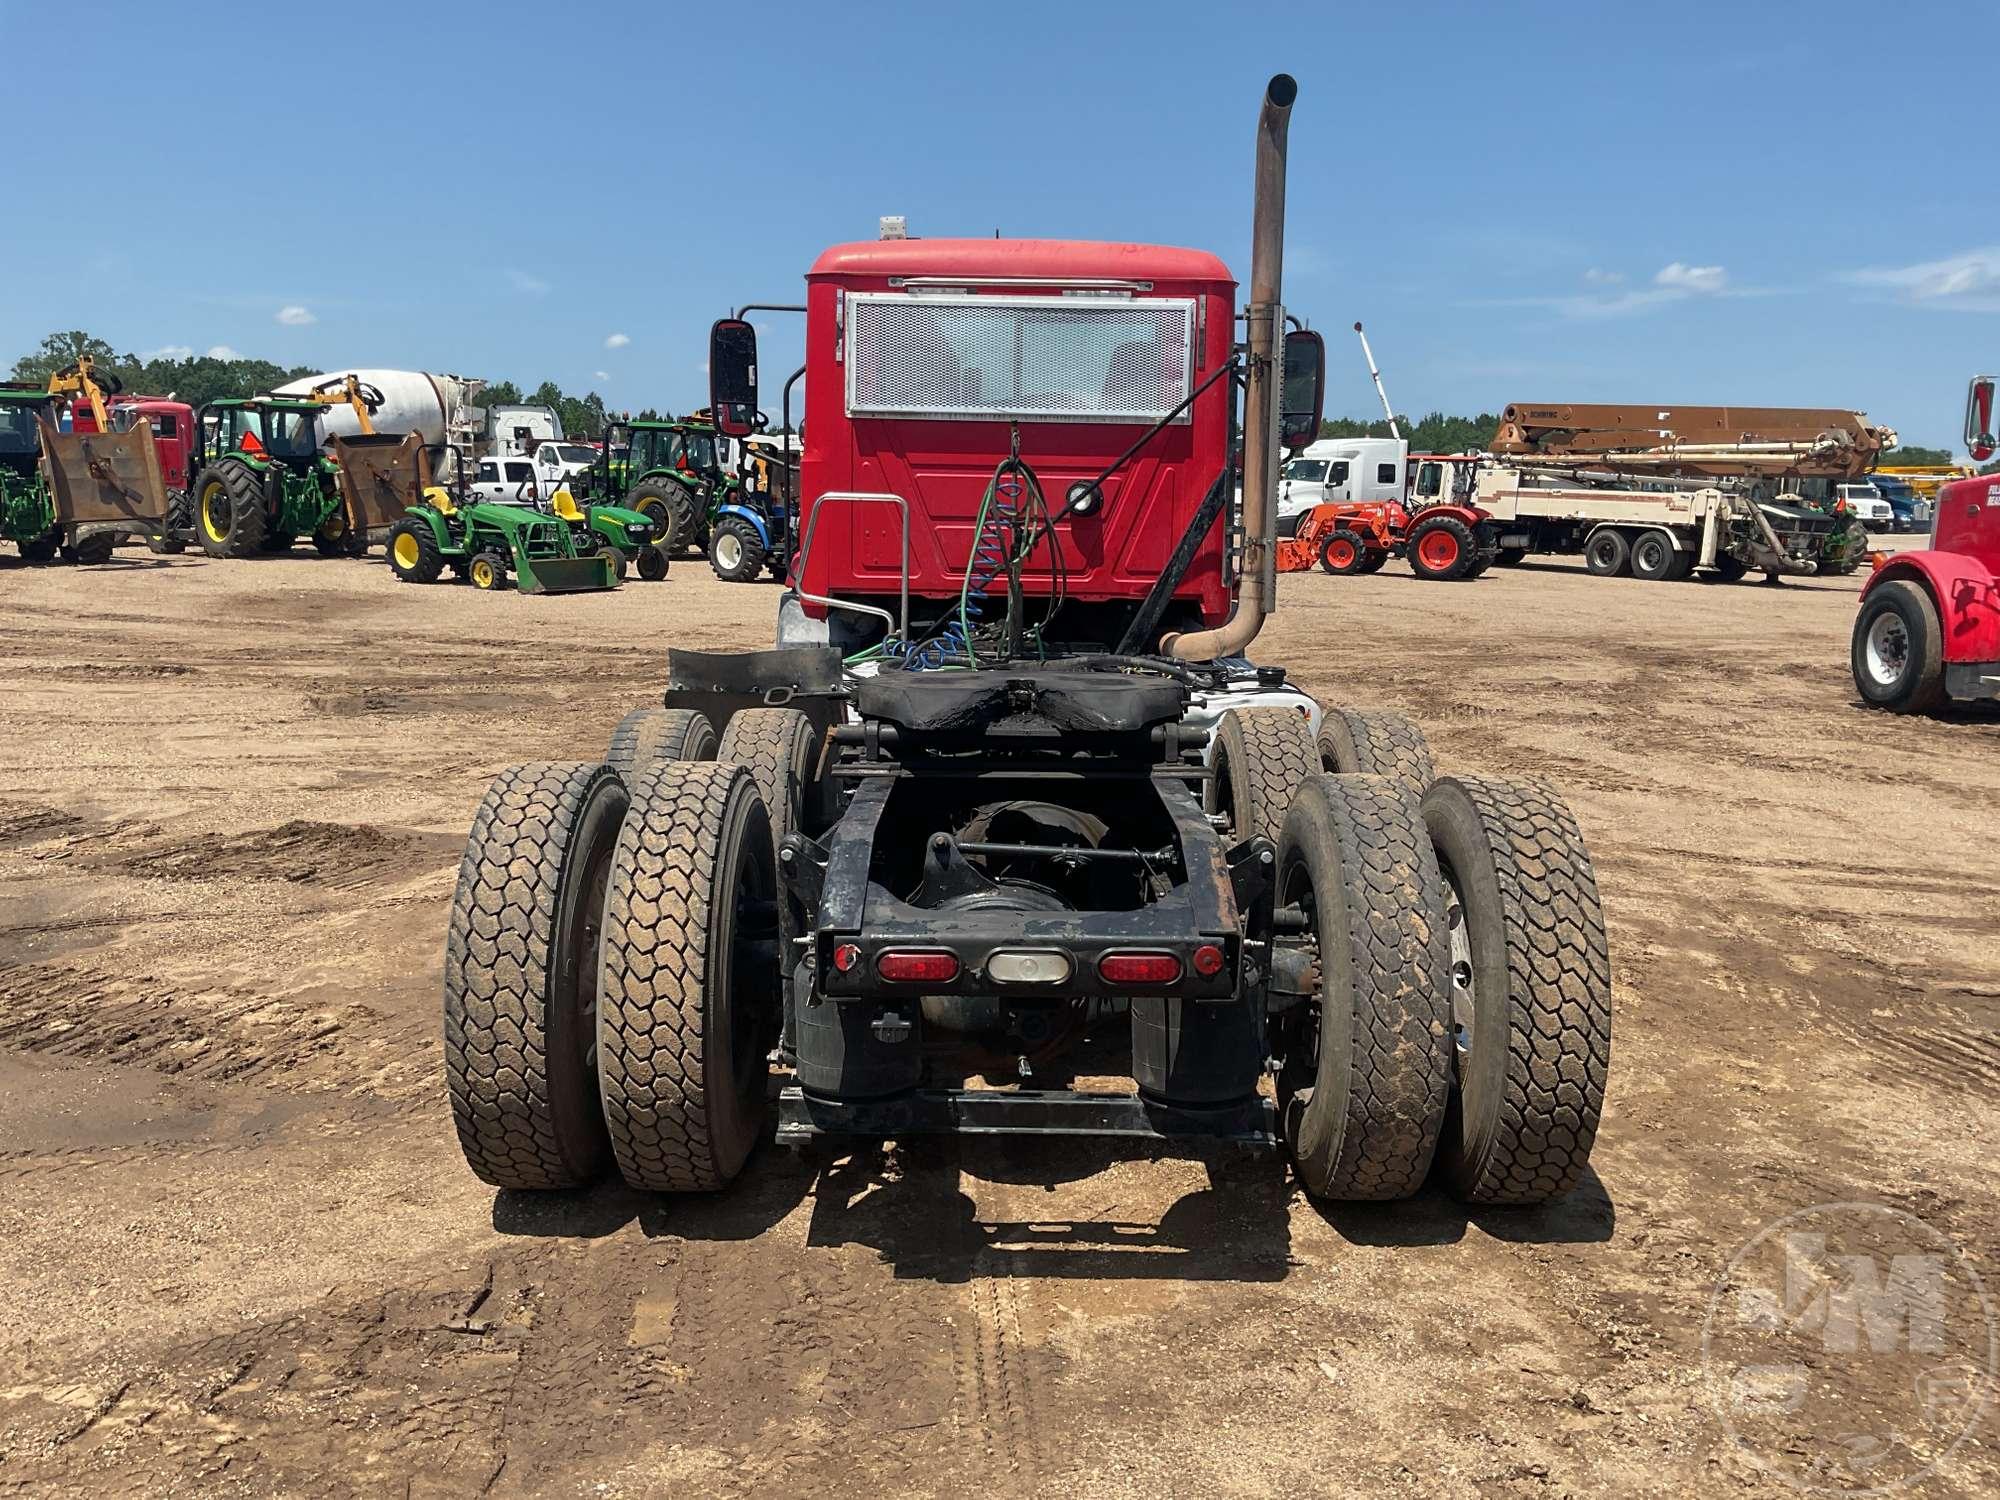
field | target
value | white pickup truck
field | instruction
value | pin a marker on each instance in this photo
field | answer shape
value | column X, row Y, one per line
column 533, row 477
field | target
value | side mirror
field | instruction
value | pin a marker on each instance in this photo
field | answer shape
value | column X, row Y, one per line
column 1303, row 391
column 732, row 377
column 1980, row 440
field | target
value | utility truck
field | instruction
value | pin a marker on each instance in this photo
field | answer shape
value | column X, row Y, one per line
column 1010, row 782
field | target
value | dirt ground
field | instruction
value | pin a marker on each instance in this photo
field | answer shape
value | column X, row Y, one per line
column 240, row 1252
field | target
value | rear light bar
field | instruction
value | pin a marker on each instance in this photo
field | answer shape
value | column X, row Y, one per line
column 1134, row 968
column 917, row 966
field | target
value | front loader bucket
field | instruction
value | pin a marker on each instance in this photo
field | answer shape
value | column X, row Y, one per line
column 564, row 575
column 381, row 477
column 105, row 481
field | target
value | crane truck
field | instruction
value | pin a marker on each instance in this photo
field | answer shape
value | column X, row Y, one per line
column 1010, row 781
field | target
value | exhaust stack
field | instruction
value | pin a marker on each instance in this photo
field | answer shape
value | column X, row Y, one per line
column 1258, row 594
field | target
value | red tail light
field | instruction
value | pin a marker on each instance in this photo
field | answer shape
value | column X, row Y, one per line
column 1208, row 960
column 845, row 957
column 1136, row 967
column 917, row 966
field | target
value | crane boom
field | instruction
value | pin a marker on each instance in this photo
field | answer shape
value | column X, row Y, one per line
column 1715, row 441
column 1376, row 376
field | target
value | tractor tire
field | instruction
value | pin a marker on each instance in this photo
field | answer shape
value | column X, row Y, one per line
column 1376, row 742
column 278, row 541
column 1510, row 557
column 1442, row 547
column 674, row 510
column 1654, row 557
column 1480, row 564
column 339, row 544
column 1262, row 757
column 520, row 976
column 42, row 548
column 688, row 986
column 413, row 551
column 1606, row 553
column 652, row 563
column 487, row 571
column 172, row 540
column 1897, row 651
column 617, row 559
column 92, row 550
column 1855, row 554
column 1343, row 552
column 229, row 510
column 1530, row 989
column 648, row 735
column 1366, row 1074
column 735, row 550
column 1374, row 562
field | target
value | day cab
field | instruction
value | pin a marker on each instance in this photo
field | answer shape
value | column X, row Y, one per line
column 927, row 360
column 1929, row 626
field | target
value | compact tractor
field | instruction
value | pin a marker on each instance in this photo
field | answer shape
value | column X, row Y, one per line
column 1445, row 541
column 673, row 473
column 1009, row 784
column 491, row 543
column 1929, row 626
column 74, row 494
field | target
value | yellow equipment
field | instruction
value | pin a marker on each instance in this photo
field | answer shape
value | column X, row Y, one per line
column 80, row 379
column 349, row 391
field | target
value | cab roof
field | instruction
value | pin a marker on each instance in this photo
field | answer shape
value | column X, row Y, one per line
column 1082, row 260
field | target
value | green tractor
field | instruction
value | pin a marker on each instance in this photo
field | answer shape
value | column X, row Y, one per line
column 263, row 481
column 632, row 534
column 73, row 494
column 670, row 471
column 488, row 543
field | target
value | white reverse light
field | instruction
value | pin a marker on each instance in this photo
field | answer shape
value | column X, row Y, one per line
column 1027, row 966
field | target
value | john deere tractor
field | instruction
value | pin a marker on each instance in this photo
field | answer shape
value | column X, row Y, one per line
column 263, row 481
column 629, row 533
column 73, row 494
column 489, row 542
column 670, row 471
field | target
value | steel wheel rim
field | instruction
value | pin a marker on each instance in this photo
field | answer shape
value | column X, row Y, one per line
column 1340, row 554
column 407, row 552
column 1438, row 549
column 208, row 498
column 1464, row 984
column 729, row 551
column 482, row 574
column 1886, row 648
column 1647, row 555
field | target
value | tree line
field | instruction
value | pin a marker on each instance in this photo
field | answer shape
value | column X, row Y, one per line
column 200, row 378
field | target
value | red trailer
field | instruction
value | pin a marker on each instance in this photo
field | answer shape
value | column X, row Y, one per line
column 1929, row 626
column 946, row 352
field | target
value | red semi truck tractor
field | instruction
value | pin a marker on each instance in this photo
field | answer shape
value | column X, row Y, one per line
column 1929, row 626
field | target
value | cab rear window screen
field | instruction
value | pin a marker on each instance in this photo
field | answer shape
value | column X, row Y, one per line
column 1042, row 358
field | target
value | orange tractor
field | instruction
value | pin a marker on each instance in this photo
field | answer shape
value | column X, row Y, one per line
column 1447, row 541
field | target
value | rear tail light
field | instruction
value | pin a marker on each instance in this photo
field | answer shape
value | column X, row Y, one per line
column 1208, row 960
column 1135, row 967
column 917, row 966
column 845, row 957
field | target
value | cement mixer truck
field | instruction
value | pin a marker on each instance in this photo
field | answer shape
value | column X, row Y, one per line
column 438, row 408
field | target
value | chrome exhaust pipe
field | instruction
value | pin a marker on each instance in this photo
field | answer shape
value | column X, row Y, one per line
column 1258, row 595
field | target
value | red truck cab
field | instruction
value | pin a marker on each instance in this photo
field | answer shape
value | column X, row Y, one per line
column 1929, row 626
column 172, row 423
column 918, row 353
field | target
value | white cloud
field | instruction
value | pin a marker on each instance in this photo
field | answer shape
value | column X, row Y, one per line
column 618, row 341
column 1967, row 282
column 169, row 351
column 294, row 316
column 223, row 351
column 532, row 286
column 602, row 376
column 1597, row 277
column 1702, row 280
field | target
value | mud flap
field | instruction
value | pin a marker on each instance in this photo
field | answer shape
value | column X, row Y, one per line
column 564, row 575
column 381, row 477
column 105, row 482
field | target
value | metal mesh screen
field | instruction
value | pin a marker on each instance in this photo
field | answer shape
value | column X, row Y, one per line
column 1048, row 358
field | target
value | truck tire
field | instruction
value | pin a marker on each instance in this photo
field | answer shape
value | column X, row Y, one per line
column 674, row 509
column 779, row 748
column 1654, row 556
column 735, row 550
column 1343, row 552
column 1375, row 742
column 229, row 510
column 1530, row 989
column 647, row 735
column 688, row 985
column 1262, row 757
column 1606, row 552
column 1442, row 547
column 1366, row 1072
column 414, row 556
column 1897, row 653
column 1509, row 557
column 1728, row 569
column 520, row 976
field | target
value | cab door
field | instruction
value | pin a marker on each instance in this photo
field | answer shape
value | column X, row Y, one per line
column 1301, row 486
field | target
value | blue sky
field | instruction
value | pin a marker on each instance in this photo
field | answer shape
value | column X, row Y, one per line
column 1696, row 203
